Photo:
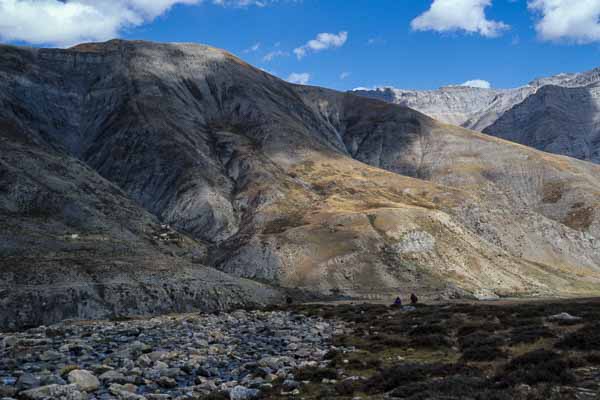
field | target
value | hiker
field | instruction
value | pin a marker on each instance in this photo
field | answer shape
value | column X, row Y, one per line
column 414, row 299
column 398, row 302
column 288, row 300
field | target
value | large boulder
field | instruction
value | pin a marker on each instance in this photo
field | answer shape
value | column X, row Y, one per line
column 243, row 393
column 85, row 380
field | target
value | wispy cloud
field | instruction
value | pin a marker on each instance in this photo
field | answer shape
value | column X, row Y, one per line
column 345, row 75
column 243, row 3
column 270, row 56
column 252, row 49
column 323, row 41
column 301, row 78
column 459, row 15
column 375, row 40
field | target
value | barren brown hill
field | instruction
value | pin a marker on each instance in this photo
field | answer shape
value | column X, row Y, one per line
column 293, row 186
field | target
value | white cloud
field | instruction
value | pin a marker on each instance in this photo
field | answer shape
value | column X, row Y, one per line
column 323, row 41
column 300, row 78
column 274, row 54
column 478, row 83
column 459, row 15
column 345, row 75
column 570, row 20
column 66, row 22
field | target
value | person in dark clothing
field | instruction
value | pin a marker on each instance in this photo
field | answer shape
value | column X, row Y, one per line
column 414, row 299
column 288, row 300
column 398, row 301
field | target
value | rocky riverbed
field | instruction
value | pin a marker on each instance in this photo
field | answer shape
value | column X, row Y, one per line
column 172, row 357
column 506, row 350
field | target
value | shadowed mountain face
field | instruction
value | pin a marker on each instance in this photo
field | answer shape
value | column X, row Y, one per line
column 558, row 114
column 557, row 120
column 73, row 245
column 294, row 186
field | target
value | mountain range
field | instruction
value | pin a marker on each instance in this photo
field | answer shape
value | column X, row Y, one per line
column 139, row 178
column 559, row 114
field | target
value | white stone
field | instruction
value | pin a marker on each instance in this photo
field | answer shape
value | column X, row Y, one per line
column 84, row 380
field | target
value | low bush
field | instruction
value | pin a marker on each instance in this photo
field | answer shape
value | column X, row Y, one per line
column 483, row 353
column 365, row 362
column 404, row 374
column 540, row 366
column 426, row 329
column 431, row 341
column 332, row 354
column 347, row 387
column 389, row 341
column 355, row 361
column 452, row 387
column 530, row 334
column 593, row 358
column 480, row 339
column 470, row 328
column 584, row 339
column 315, row 374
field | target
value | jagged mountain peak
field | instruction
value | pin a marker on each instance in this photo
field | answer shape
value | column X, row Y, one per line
column 475, row 108
column 570, row 79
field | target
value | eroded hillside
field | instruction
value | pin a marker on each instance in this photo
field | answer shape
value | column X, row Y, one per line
column 294, row 186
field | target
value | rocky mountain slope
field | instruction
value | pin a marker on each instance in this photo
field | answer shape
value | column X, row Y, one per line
column 470, row 107
column 73, row 245
column 130, row 170
column 562, row 120
column 558, row 114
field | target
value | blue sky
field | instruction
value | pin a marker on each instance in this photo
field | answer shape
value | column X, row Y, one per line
column 381, row 46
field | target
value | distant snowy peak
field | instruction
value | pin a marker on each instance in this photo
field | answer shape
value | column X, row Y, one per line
column 570, row 79
column 474, row 104
column 451, row 104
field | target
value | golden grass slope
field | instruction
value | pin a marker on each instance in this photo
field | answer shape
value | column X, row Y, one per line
column 486, row 216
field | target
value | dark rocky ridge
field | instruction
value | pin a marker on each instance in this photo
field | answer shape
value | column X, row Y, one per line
column 296, row 186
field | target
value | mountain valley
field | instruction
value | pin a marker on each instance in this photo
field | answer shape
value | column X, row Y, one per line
column 140, row 178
